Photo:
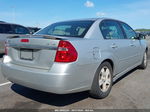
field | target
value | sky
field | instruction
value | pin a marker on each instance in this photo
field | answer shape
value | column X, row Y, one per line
column 40, row 13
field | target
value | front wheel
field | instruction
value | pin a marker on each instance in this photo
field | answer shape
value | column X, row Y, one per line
column 102, row 82
column 144, row 62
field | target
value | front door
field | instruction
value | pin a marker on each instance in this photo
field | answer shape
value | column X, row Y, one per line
column 134, row 44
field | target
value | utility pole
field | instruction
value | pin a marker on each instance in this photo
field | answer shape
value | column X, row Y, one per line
column 13, row 14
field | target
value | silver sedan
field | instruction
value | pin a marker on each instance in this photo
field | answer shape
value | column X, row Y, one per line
column 73, row 56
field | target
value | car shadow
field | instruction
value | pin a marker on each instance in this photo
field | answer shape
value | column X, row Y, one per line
column 49, row 98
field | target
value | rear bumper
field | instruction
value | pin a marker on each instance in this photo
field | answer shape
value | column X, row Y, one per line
column 61, row 82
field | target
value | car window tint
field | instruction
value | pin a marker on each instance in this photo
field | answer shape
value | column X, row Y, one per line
column 20, row 30
column 68, row 29
column 6, row 28
column 130, row 33
column 111, row 30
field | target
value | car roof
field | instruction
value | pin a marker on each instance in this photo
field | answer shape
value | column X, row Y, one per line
column 85, row 19
column 2, row 22
column 91, row 19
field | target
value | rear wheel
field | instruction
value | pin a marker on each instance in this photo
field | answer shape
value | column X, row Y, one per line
column 102, row 82
column 144, row 62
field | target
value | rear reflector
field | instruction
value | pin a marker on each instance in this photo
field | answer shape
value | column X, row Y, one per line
column 66, row 52
column 24, row 40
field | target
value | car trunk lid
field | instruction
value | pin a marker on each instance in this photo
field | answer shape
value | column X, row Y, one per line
column 33, row 52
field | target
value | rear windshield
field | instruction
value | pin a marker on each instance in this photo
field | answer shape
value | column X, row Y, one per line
column 67, row 29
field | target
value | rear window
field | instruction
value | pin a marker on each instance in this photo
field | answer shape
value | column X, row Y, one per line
column 67, row 29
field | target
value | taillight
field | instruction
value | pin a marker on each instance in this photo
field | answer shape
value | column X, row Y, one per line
column 24, row 40
column 66, row 52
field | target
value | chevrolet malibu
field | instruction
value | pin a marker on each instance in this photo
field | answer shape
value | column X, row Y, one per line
column 74, row 56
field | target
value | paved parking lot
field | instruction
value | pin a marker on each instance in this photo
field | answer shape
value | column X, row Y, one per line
column 130, row 92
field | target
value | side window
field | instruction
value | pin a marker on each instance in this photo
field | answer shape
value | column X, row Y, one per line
column 130, row 33
column 111, row 30
column 5, row 29
column 20, row 30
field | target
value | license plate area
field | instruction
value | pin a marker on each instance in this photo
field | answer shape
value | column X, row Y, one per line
column 26, row 54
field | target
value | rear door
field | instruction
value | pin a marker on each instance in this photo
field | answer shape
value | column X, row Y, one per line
column 118, row 44
column 135, row 46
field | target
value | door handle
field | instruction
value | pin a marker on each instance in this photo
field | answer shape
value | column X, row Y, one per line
column 132, row 45
column 114, row 46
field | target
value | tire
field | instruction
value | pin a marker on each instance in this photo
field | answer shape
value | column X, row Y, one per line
column 144, row 62
column 102, row 82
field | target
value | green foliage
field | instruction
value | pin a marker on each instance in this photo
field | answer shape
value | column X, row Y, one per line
column 142, row 30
